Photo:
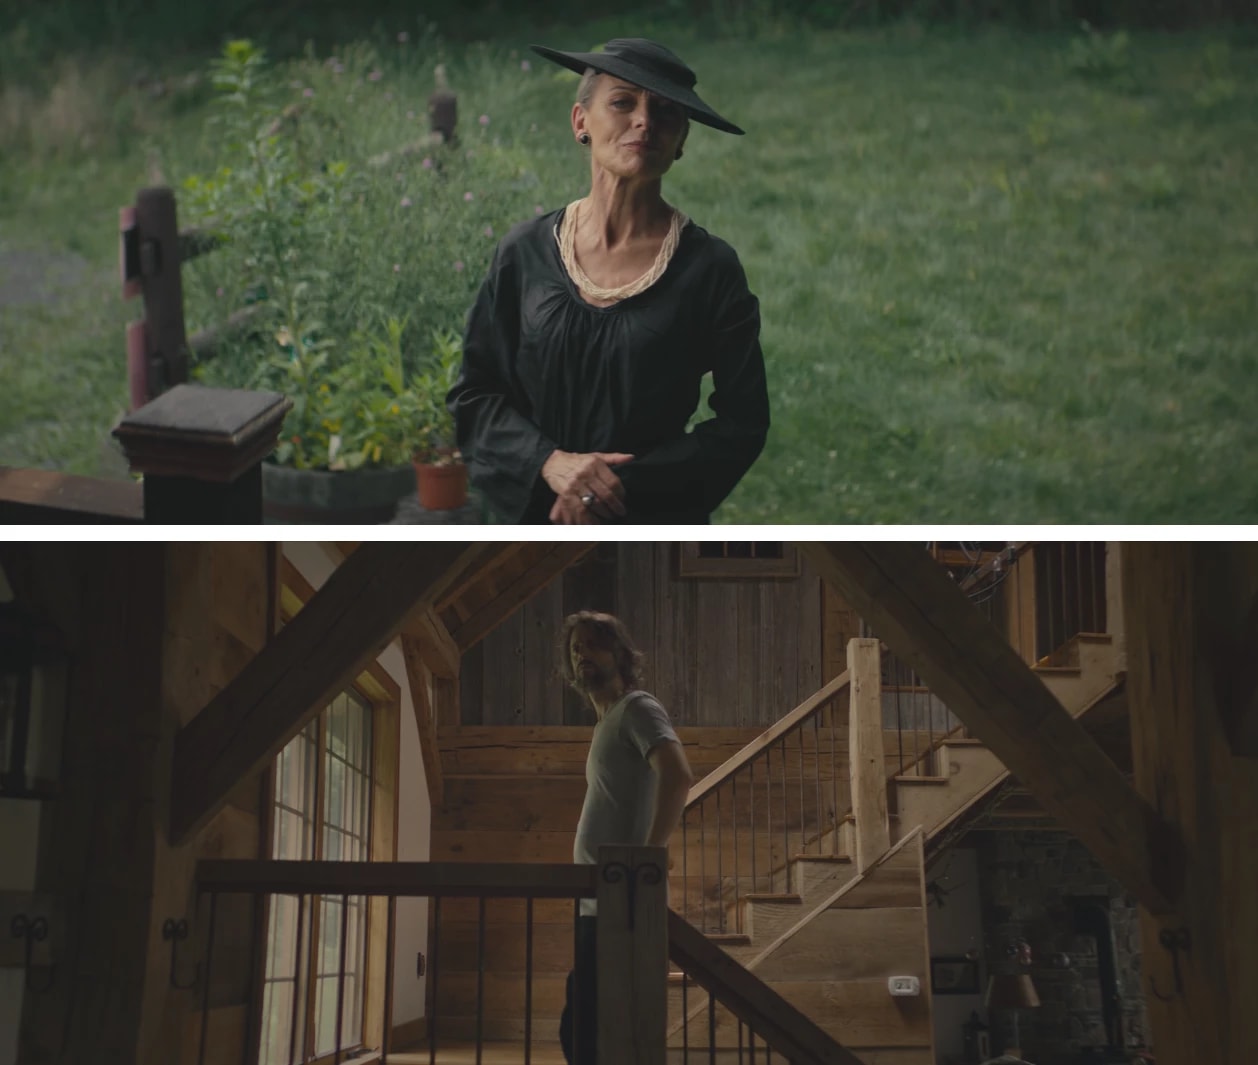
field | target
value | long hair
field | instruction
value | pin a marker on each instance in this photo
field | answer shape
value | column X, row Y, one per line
column 608, row 632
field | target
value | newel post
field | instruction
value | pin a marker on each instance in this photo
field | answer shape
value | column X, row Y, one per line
column 632, row 955
column 201, row 450
column 869, row 771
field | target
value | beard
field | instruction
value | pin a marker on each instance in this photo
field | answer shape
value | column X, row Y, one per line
column 595, row 677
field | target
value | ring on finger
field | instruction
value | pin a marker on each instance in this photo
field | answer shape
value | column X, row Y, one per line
column 588, row 499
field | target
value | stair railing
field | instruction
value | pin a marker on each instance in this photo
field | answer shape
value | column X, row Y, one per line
column 767, row 1024
column 784, row 788
column 1041, row 595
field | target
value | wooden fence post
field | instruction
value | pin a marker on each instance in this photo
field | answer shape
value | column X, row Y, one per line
column 201, row 450
column 150, row 262
column 632, row 955
column 869, row 771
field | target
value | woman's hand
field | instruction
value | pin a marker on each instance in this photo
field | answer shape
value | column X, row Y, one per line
column 572, row 475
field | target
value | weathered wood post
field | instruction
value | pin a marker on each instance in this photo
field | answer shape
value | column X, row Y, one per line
column 201, row 450
column 869, row 772
column 632, row 955
column 157, row 347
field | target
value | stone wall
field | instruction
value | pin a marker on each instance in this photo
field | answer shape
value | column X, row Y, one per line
column 1031, row 883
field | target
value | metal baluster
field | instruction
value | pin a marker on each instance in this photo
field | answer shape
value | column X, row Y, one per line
column 803, row 820
column 738, row 910
column 751, row 816
column 1097, row 573
column 834, row 782
column 528, row 980
column 301, row 924
column 786, row 838
column 685, row 1019
column 480, row 978
column 816, row 743
column 740, row 1043
column 711, row 1029
column 703, row 865
column 205, row 991
column 720, row 868
column 340, row 977
column 751, row 1046
column 436, row 972
column 685, row 873
column 768, row 813
column 1050, row 585
column 576, row 981
column 388, row 982
column 1079, row 585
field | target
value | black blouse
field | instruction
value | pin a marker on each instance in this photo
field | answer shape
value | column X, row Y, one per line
column 543, row 369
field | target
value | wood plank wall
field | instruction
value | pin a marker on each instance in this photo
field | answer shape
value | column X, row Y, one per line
column 719, row 653
column 155, row 629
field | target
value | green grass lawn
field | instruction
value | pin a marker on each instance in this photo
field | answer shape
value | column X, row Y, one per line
column 993, row 290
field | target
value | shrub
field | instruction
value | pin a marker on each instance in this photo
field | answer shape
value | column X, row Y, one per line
column 360, row 263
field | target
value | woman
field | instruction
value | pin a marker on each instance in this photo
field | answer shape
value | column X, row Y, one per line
column 585, row 348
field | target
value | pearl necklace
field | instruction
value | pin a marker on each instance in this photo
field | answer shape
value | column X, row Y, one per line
column 567, row 252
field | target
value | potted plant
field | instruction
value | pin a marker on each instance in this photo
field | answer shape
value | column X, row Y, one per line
column 440, row 473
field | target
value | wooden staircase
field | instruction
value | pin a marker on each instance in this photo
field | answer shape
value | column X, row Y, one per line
column 834, row 969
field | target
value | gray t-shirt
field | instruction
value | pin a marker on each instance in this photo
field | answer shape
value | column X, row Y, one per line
column 619, row 781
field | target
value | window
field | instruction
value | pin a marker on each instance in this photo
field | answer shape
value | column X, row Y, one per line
column 736, row 559
column 322, row 811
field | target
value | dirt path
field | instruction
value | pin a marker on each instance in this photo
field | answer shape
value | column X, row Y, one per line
column 38, row 277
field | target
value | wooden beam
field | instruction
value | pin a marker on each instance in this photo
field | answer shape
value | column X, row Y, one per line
column 868, row 763
column 472, row 573
column 433, row 641
column 517, row 592
column 345, row 625
column 425, row 718
column 916, row 608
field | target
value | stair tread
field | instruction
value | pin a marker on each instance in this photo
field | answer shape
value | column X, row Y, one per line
column 1063, row 670
column 733, row 938
column 964, row 741
column 912, row 779
column 762, row 896
column 823, row 858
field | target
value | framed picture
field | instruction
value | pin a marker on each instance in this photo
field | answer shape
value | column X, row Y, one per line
column 953, row 975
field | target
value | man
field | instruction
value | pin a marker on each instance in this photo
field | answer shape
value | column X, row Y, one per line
column 636, row 782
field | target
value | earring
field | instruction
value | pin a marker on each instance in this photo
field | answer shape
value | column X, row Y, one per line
column 584, row 138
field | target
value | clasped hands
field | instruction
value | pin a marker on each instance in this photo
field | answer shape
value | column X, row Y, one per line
column 573, row 475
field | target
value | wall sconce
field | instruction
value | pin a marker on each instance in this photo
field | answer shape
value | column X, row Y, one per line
column 34, row 670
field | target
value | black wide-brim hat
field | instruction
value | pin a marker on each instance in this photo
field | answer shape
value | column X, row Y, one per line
column 649, row 65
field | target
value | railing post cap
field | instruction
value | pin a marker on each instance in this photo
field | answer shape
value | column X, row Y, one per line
column 207, row 434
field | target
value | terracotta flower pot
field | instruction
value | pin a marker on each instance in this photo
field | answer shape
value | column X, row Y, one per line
column 441, row 487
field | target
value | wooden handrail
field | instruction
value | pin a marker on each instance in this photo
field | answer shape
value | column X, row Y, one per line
column 30, row 496
column 542, row 880
column 786, row 1030
column 731, row 765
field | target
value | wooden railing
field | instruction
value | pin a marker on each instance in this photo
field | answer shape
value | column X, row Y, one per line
column 758, row 803
column 762, row 1013
column 628, row 884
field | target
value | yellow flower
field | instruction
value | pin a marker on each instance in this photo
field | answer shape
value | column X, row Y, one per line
column 324, row 389
column 394, row 409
